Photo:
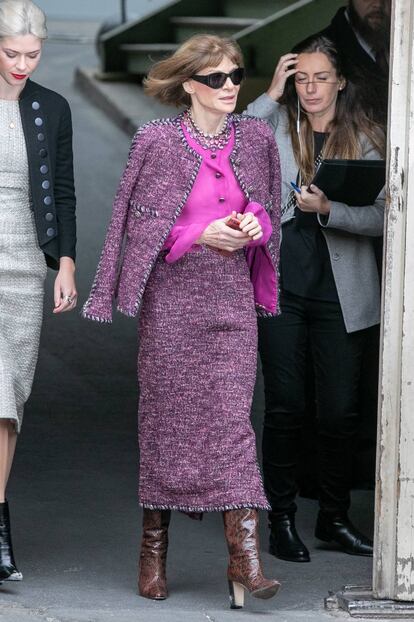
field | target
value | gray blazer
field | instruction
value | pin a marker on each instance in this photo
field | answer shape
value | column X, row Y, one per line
column 349, row 231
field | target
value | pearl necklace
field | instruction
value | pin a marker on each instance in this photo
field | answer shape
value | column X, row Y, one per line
column 208, row 141
column 11, row 123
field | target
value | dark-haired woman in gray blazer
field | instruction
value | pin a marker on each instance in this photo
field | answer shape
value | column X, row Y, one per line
column 330, row 293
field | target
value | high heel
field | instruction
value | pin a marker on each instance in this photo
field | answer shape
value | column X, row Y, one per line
column 152, row 581
column 8, row 569
column 236, row 592
column 236, row 595
column 245, row 569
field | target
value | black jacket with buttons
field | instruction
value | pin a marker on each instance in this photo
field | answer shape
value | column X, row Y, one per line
column 47, row 126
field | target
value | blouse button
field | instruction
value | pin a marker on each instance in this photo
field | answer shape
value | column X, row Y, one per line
column 218, row 175
column 43, row 153
column 50, row 232
column 38, row 121
column 47, row 200
column 213, row 156
column 44, row 169
column 221, row 200
column 49, row 216
column 35, row 105
column 45, row 184
column 40, row 137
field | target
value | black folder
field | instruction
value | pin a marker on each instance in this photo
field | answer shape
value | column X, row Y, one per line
column 353, row 182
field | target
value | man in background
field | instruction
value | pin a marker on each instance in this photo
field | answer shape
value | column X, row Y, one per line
column 361, row 33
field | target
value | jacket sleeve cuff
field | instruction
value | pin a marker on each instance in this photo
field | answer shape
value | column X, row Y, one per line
column 333, row 219
column 70, row 254
column 264, row 219
column 67, row 247
column 98, row 308
column 366, row 220
column 185, row 238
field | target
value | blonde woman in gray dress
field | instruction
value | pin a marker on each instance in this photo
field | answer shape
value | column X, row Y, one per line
column 37, row 225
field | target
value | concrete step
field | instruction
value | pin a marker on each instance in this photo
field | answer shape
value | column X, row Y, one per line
column 185, row 27
column 148, row 47
column 216, row 22
column 140, row 56
column 123, row 101
column 257, row 9
column 72, row 31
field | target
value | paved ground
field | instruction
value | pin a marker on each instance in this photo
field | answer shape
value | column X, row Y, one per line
column 73, row 489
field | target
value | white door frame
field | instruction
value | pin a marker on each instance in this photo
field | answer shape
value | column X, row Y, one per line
column 394, row 512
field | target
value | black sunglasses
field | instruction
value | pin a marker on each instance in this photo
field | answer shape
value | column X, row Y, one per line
column 217, row 80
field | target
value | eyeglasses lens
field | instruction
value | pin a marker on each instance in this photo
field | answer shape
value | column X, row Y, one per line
column 301, row 81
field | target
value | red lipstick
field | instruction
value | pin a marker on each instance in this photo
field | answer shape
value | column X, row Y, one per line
column 19, row 76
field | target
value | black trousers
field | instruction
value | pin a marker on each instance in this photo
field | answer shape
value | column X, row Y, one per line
column 337, row 358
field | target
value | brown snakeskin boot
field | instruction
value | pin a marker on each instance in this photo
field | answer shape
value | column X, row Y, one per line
column 245, row 569
column 152, row 581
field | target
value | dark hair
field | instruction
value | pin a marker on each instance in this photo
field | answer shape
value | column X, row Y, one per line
column 350, row 119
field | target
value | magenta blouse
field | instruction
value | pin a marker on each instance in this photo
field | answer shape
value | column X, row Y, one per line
column 215, row 194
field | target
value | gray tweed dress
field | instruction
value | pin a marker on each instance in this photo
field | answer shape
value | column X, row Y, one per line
column 22, row 270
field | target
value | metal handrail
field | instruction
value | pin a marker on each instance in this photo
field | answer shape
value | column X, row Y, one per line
column 123, row 12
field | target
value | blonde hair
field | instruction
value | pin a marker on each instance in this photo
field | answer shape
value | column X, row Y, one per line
column 21, row 17
column 165, row 78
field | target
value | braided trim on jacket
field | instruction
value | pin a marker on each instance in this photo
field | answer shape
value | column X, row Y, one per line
column 139, row 133
column 176, row 121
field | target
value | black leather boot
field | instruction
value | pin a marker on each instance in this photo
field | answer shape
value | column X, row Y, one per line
column 8, row 570
column 285, row 542
column 338, row 528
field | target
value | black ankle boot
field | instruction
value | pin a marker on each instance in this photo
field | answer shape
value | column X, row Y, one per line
column 284, row 539
column 338, row 528
column 8, row 570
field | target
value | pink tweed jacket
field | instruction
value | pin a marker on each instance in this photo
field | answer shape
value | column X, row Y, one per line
column 155, row 185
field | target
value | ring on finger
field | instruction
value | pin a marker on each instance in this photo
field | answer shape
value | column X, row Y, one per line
column 68, row 299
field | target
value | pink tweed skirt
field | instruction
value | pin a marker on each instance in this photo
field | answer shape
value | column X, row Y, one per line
column 196, row 374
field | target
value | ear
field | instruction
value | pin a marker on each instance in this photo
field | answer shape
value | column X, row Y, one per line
column 342, row 84
column 188, row 88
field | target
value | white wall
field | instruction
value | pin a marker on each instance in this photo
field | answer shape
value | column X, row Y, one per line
column 95, row 9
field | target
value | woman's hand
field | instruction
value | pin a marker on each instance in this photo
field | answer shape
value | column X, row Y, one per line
column 286, row 67
column 219, row 235
column 65, row 293
column 250, row 225
column 315, row 201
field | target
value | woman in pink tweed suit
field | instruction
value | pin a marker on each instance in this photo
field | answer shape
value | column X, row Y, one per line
column 193, row 246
